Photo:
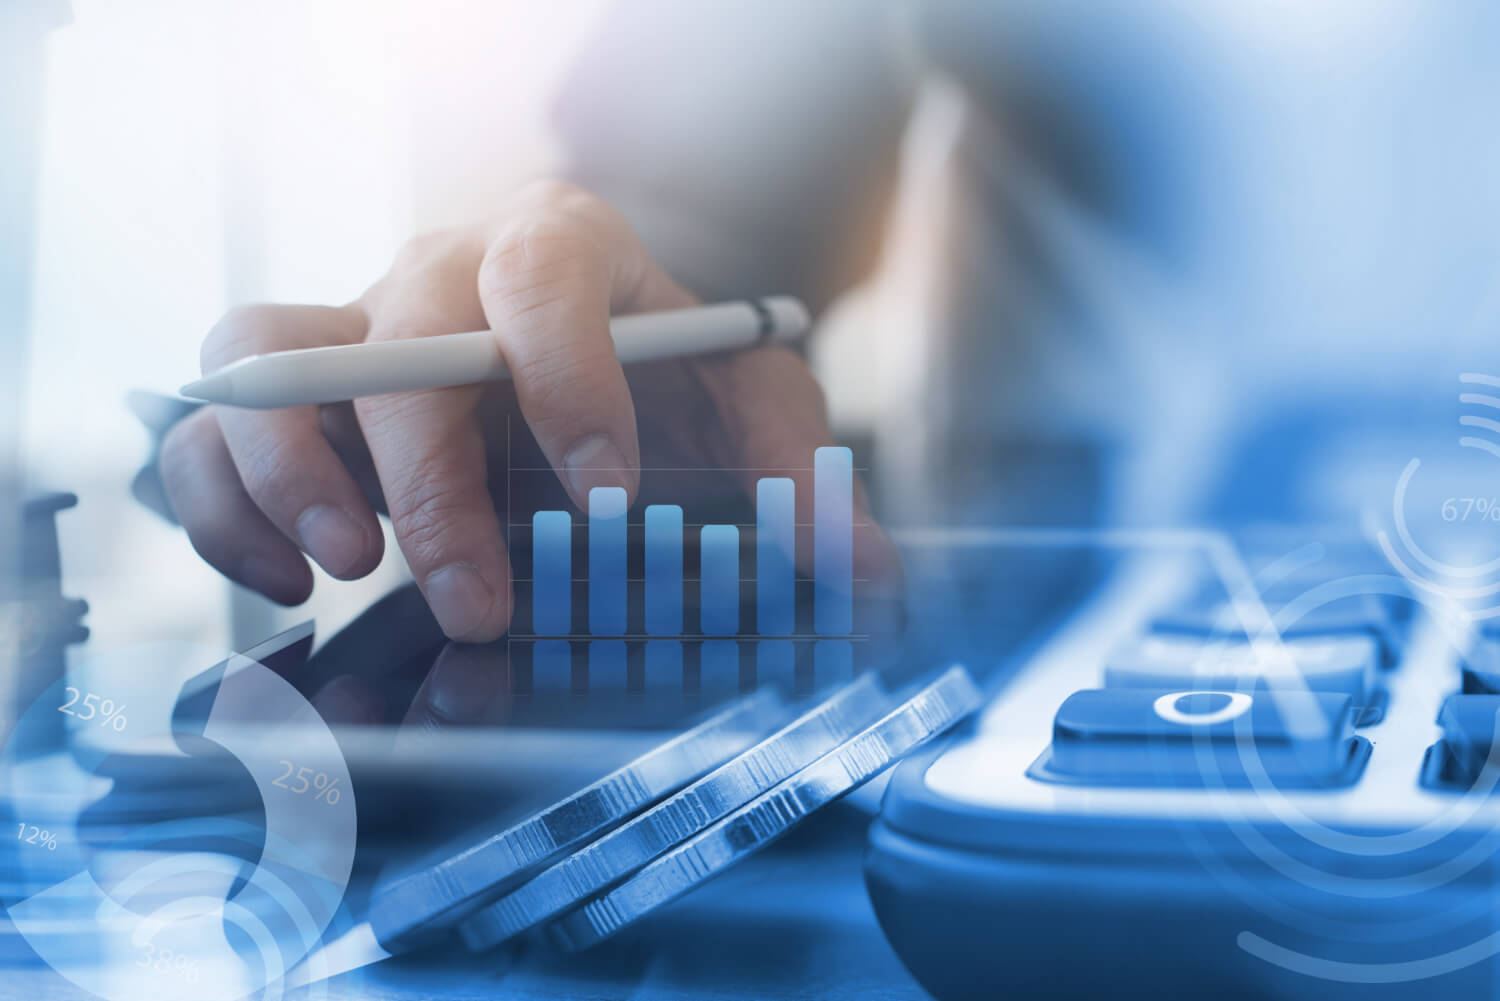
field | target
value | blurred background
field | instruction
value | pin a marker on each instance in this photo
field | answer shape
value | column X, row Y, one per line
column 1235, row 229
column 1177, row 263
column 194, row 156
column 197, row 155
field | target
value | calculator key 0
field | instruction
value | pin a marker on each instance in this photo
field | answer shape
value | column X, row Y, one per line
column 1142, row 736
column 1338, row 664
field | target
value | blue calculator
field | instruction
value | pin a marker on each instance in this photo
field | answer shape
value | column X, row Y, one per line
column 1166, row 802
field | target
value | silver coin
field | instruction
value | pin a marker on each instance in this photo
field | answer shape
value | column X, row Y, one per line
column 708, row 800
column 925, row 715
column 432, row 894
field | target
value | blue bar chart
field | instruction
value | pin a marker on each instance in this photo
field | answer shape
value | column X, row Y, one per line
column 744, row 577
column 775, row 545
column 664, row 570
column 607, row 561
column 719, row 580
column 833, row 541
column 552, row 573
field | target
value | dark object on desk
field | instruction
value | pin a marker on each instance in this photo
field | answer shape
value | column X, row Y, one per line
column 46, row 622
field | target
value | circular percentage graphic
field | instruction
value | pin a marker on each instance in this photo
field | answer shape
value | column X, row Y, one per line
column 302, row 780
column 87, row 706
column 197, row 922
column 157, row 960
column 326, row 790
column 185, row 968
column 112, row 716
column 39, row 837
column 1465, row 508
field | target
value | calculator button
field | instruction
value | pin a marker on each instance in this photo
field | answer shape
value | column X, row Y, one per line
column 1214, row 615
column 1338, row 563
column 1469, row 723
column 1481, row 667
column 1167, row 736
column 1340, row 664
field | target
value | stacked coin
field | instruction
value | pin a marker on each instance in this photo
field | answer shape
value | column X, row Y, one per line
column 591, row 864
column 424, row 899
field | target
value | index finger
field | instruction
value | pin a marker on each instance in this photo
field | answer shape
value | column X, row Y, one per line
column 559, row 265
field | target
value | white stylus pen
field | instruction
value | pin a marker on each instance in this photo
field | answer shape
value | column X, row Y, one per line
column 349, row 371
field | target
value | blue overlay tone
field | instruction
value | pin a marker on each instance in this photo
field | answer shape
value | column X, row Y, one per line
column 833, row 661
column 833, row 541
column 775, row 549
column 607, row 561
column 776, row 664
column 551, row 573
column 607, row 665
column 719, row 597
column 719, row 669
column 663, row 666
column 664, row 570
column 551, row 666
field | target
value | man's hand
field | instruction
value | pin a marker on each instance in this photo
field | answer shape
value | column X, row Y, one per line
column 256, row 490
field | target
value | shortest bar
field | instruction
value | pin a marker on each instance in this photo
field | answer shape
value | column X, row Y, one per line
column 719, row 580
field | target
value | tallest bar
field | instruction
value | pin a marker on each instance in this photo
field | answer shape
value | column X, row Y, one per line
column 833, row 541
column 607, row 561
column 775, row 557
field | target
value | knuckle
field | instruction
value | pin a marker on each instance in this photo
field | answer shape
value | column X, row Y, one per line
column 426, row 521
column 569, row 385
column 429, row 252
column 187, row 438
column 784, row 369
column 538, row 265
column 240, row 332
column 214, row 545
column 551, row 194
column 180, row 460
column 429, row 288
column 273, row 472
column 535, row 246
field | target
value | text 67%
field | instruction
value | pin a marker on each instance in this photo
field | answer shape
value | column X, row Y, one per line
column 1463, row 508
column 88, row 706
column 301, row 780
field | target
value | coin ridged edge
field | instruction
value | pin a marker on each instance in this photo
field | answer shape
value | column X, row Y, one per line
column 925, row 715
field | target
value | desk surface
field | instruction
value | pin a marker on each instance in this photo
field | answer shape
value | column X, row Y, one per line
column 793, row 922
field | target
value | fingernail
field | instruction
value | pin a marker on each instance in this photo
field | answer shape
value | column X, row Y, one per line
column 347, row 700
column 331, row 537
column 459, row 598
column 595, row 462
column 464, row 678
column 288, row 585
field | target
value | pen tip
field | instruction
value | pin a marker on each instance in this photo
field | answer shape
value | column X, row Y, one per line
column 356, row 948
column 212, row 388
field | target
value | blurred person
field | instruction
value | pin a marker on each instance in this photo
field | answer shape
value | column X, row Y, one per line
column 1188, row 248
